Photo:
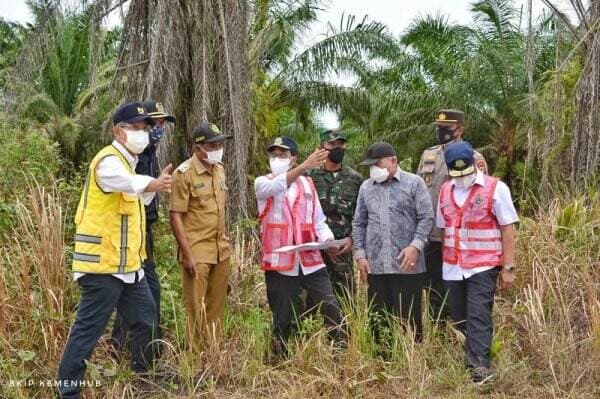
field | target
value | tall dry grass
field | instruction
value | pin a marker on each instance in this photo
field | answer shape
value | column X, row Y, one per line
column 546, row 343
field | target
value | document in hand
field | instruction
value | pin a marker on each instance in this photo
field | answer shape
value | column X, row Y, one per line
column 312, row 245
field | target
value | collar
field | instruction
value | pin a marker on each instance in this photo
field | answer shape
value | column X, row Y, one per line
column 479, row 179
column 132, row 159
column 398, row 174
column 199, row 166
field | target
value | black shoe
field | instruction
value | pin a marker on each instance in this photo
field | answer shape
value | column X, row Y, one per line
column 482, row 375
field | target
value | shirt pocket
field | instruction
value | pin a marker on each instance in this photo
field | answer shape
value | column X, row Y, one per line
column 428, row 172
column 204, row 197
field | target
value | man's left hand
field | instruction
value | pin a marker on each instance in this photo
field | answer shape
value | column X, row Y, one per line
column 408, row 258
column 505, row 279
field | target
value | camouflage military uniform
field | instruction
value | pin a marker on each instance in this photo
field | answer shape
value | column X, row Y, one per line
column 337, row 193
column 433, row 170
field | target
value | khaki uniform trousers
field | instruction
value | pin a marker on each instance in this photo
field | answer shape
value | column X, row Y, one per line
column 204, row 299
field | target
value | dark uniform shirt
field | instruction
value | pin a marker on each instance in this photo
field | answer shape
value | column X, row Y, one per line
column 148, row 165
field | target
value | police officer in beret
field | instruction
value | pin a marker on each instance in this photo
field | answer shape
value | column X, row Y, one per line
column 148, row 165
column 337, row 185
column 449, row 124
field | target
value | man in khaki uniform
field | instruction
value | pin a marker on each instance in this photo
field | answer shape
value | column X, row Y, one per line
column 197, row 213
column 432, row 168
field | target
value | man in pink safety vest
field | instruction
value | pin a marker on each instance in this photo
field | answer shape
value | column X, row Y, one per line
column 477, row 217
column 290, row 214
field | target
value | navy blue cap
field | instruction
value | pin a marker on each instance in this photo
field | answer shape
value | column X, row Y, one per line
column 459, row 159
column 284, row 142
column 132, row 113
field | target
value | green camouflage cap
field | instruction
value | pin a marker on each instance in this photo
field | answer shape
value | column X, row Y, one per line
column 333, row 135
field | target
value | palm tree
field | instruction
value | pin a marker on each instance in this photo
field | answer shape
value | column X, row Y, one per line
column 301, row 81
column 51, row 85
column 480, row 69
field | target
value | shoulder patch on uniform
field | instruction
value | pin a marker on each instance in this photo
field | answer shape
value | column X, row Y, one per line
column 184, row 167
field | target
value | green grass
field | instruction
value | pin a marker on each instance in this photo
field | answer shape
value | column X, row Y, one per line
column 546, row 341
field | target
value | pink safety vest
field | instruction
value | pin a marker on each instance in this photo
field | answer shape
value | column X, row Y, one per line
column 472, row 236
column 282, row 225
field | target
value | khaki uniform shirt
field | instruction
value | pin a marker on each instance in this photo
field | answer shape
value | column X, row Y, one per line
column 432, row 168
column 201, row 196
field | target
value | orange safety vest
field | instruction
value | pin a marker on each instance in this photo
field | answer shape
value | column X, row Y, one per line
column 472, row 236
column 282, row 225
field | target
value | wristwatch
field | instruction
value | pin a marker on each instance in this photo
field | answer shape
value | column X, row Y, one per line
column 509, row 267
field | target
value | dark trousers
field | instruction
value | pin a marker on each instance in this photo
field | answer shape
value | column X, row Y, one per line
column 434, row 283
column 121, row 327
column 396, row 295
column 471, row 303
column 282, row 294
column 342, row 282
column 100, row 295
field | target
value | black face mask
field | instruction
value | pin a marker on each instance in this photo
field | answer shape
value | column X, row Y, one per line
column 336, row 155
column 445, row 135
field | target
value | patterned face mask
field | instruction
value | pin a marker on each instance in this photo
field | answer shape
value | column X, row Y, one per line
column 156, row 134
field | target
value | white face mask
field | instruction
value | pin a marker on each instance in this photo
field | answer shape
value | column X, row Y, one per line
column 378, row 174
column 137, row 140
column 279, row 165
column 465, row 182
column 214, row 157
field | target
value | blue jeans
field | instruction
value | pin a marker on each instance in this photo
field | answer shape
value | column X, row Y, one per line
column 100, row 295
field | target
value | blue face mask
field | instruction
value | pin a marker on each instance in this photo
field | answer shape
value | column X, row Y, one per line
column 156, row 134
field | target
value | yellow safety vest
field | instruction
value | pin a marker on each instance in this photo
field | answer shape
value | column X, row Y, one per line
column 111, row 227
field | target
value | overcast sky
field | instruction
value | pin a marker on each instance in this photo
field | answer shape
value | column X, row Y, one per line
column 396, row 14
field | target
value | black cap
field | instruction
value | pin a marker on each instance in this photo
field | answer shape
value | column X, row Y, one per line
column 450, row 116
column 156, row 110
column 284, row 142
column 132, row 113
column 459, row 159
column 208, row 133
column 377, row 151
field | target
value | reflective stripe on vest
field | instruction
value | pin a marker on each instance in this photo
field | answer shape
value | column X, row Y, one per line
column 110, row 234
column 472, row 236
column 284, row 224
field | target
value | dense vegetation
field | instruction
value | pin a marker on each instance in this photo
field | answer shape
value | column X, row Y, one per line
column 530, row 88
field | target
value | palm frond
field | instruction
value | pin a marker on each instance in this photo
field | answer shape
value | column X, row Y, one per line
column 358, row 39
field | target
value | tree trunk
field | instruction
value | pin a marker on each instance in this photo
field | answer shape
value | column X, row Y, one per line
column 585, row 146
column 193, row 59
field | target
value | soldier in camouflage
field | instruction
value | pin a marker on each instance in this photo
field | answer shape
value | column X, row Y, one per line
column 432, row 168
column 337, row 185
